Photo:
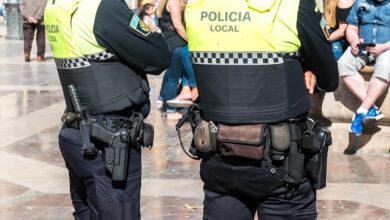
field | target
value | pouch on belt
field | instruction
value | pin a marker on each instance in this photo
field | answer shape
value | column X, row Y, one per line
column 205, row 137
column 246, row 141
column 280, row 140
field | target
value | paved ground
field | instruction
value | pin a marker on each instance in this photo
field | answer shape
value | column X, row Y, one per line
column 34, row 182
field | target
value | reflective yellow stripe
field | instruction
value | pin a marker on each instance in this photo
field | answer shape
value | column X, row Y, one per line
column 242, row 25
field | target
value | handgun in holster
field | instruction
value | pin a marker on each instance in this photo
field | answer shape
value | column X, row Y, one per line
column 118, row 144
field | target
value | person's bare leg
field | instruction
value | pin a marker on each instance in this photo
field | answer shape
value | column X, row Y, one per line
column 194, row 93
column 174, row 116
column 376, row 88
column 356, row 84
column 185, row 93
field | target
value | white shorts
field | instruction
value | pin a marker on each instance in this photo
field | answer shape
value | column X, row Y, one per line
column 350, row 64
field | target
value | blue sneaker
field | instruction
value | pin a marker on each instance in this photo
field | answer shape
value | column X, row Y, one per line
column 374, row 113
column 357, row 124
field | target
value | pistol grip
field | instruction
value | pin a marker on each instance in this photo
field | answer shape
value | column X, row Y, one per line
column 101, row 133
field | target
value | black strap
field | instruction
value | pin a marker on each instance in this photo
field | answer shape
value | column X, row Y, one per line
column 295, row 131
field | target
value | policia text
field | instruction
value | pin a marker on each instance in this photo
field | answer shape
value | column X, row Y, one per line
column 226, row 17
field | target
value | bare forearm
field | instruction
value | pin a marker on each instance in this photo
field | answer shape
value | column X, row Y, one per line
column 337, row 35
column 182, row 32
column 352, row 34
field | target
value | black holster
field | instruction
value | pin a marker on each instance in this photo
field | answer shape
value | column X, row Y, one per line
column 316, row 143
column 119, row 135
column 305, row 154
column 285, row 139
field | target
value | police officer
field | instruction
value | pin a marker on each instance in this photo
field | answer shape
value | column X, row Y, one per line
column 248, row 57
column 103, row 51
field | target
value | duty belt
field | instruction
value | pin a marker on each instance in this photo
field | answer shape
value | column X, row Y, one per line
column 242, row 58
column 111, row 123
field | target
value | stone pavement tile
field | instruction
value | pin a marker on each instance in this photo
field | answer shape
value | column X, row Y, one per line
column 168, row 208
column 48, row 200
column 36, row 213
column 168, row 169
column 17, row 72
column 37, row 206
column 171, row 208
column 349, row 210
column 17, row 103
column 8, row 189
column 42, row 147
column 4, row 93
column 386, row 171
column 363, row 168
column 167, row 160
column 173, row 166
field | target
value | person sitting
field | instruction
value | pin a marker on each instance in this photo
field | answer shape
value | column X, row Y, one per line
column 368, row 33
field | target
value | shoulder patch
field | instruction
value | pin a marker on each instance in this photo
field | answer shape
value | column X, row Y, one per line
column 139, row 26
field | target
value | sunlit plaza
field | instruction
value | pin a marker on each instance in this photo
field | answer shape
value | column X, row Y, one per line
column 34, row 180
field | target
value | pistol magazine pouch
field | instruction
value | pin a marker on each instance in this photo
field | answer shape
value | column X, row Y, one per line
column 245, row 141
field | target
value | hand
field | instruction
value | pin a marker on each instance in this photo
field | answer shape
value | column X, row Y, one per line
column 310, row 81
column 354, row 47
column 377, row 50
column 35, row 21
column 31, row 20
column 152, row 28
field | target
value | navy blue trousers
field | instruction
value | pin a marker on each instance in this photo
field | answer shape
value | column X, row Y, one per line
column 236, row 188
column 93, row 195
